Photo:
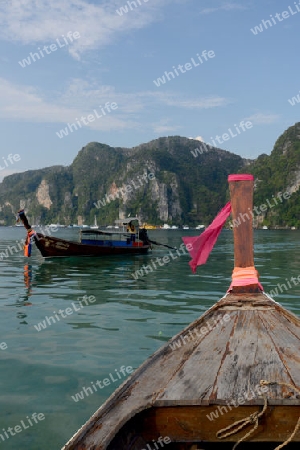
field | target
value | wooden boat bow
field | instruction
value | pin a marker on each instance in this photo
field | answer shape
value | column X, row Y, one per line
column 209, row 375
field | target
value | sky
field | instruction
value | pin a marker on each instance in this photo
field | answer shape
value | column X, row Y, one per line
column 127, row 72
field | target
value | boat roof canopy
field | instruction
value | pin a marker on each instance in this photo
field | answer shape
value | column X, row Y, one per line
column 126, row 221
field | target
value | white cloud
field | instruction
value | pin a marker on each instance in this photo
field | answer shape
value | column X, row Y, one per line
column 89, row 94
column 262, row 119
column 81, row 98
column 224, row 7
column 25, row 103
column 164, row 127
column 201, row 103
column 44, row 21
column 161, row 129
column 198, row 138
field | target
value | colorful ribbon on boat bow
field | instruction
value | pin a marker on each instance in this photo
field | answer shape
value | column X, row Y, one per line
column 202, row 245
column 28, row 242
column 245, row 276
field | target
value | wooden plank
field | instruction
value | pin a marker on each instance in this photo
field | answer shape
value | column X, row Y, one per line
column 191, row 424
column 286, row 340
column 250, row 357
column 194, row 382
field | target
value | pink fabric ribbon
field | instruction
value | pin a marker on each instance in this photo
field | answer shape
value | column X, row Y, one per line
column 202, row 245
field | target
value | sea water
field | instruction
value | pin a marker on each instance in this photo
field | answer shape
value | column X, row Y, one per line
column 73, row 329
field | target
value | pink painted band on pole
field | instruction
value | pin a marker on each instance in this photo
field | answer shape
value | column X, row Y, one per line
column 245, row 276
column 240, row 177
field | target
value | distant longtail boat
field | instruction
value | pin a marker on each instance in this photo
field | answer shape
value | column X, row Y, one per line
column 129, row 238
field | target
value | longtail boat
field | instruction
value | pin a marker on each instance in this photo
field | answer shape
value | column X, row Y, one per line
column 127, row 238
column 231, row 377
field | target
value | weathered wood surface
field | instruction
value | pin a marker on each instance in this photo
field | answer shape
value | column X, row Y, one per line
column 241, row 195
column 191, row 424
column 261, row 340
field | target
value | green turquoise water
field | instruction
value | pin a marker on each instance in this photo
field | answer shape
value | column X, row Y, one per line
column 127, row 322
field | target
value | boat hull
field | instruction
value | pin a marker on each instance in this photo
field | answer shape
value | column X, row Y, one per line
column 54, row 247
column 195, row 376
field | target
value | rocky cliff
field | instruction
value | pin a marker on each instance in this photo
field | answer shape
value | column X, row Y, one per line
column 164, row 180
column 171, row 180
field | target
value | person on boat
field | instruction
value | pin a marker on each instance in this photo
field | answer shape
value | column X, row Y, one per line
column 144, row 236
column 130, row 227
